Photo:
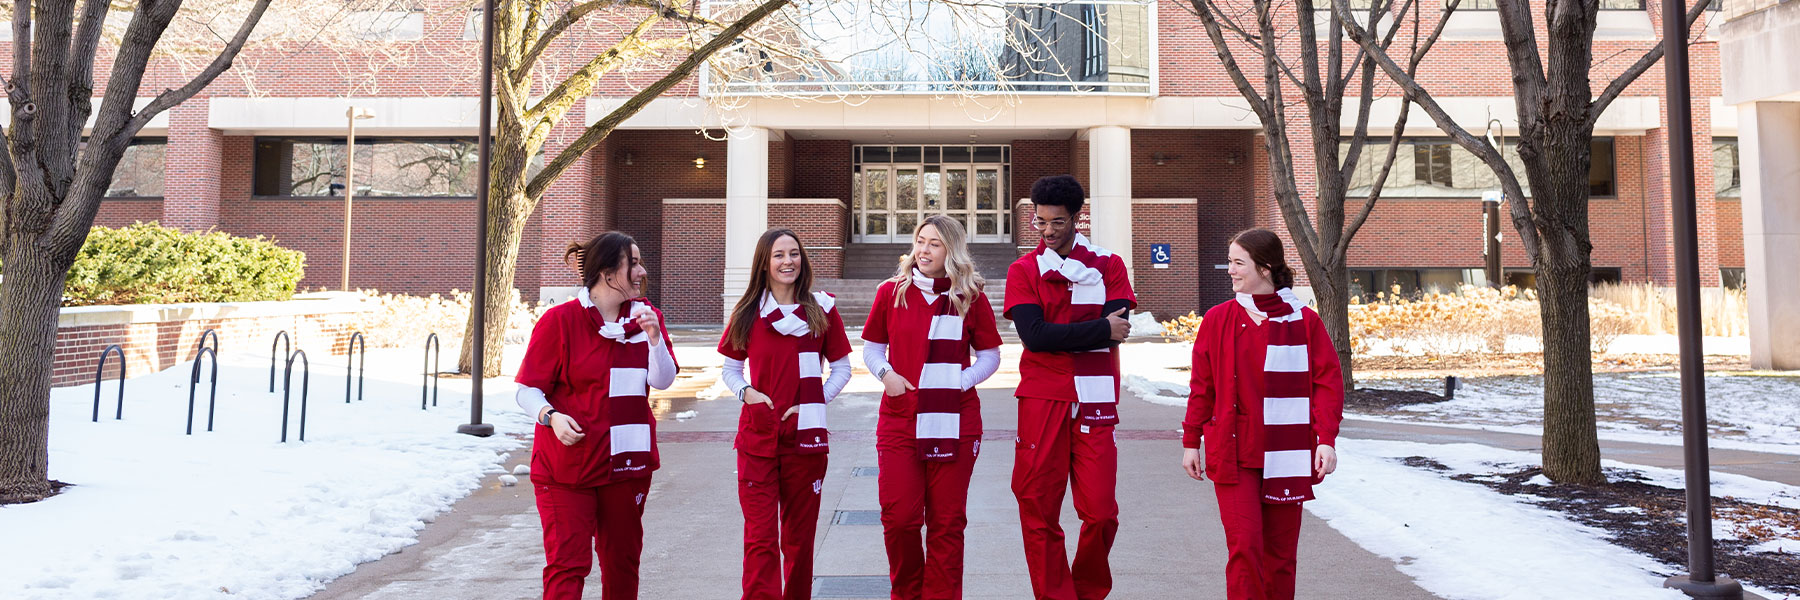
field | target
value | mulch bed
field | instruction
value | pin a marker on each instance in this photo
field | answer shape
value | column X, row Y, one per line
column 1523, row 363
column 1379, row 399
column 1651, row 519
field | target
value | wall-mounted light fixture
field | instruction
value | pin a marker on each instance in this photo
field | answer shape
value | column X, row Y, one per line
column 1162, row 159
column 627, row 158
column 699, row 162
column 1232, row 158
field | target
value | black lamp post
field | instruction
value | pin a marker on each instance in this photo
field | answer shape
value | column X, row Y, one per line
column 477, row 359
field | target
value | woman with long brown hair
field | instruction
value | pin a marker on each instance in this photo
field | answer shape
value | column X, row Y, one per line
column 1265, row 401
column 586, row 375
column 785, row 333
column 927, row 320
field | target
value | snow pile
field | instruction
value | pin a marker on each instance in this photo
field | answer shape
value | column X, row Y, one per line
column 232, row 513
column 1156, row 372
column 1145, row 324
column 1464, row 541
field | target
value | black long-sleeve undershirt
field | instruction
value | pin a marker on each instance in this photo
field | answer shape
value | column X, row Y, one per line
column 1040, row 335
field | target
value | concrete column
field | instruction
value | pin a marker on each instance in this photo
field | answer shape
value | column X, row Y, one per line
column 1109, row 189
column 746, row 207
column 1768, row 141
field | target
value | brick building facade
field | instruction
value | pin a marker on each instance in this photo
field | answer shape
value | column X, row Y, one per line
column 1176, row 160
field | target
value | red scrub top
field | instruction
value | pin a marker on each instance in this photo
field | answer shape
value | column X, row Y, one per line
column 772, row 359
column 571, row 362
column 1051, row 375
column 903, row 329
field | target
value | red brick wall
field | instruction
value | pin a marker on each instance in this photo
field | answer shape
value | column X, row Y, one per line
column 193, row 161
column 1173, row 291
column 155, row 346
column 694, row 297
column 116, row 213
column 1731, row 232
column 663, row 167
column 822, row 170
column 819, row 226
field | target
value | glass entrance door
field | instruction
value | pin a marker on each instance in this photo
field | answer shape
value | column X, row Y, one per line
column 891, row 197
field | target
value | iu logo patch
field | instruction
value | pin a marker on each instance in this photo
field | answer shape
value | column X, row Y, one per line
column 640, row 498
column 818, row 486
column 627, row 462
column 1286, row 492
column 977, row 451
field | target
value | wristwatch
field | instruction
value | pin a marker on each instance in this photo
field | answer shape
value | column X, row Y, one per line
column 740, row 392
column 883, row 373
column 546, row 420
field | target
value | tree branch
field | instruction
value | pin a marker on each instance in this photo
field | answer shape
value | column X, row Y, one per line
column 1625, row 79
column 605, row 126
column 1509, row 181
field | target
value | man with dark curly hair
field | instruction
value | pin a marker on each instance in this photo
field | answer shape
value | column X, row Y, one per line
column 1068, row 300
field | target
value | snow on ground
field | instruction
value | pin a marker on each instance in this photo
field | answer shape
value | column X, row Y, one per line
column 233, row 513
column 1463, row 541
column 1747, row 410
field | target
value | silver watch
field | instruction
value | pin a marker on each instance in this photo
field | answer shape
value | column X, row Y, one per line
column 883, row 373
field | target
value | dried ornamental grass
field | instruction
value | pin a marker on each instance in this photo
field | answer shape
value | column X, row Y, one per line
column 1183, row 328
column 404, row 320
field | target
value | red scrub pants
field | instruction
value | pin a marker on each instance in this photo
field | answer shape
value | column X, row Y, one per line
column 917, row 494
column 579, row 520
column 780, row 498
column 1261, row 540
column 1055, row 453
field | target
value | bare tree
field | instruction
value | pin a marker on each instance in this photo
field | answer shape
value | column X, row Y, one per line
column 1294, row 60
column 1557, row 112
column 52, row 182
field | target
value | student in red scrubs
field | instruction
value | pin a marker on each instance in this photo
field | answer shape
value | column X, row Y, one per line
column 784, row 332
column 1068, row 300
column 925, row 322
column 1266, row 400
column 586, row 375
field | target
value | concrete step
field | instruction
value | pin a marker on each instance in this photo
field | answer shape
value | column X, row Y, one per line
column 856, row 297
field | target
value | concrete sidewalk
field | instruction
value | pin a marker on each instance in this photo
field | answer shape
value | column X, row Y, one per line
column 1170, row 544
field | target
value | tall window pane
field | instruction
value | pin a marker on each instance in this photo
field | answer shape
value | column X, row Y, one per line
column 140, row 172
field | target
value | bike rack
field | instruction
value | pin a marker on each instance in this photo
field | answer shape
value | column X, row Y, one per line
column 287, row 385
column 287, row 349
column 205, row 335
column 101, row 369
column 212, row 399
column 356, row 339
column 431, row 369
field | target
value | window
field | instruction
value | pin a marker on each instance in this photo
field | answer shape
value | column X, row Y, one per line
column 140, row 172
column 1437, row 168
column 386, row 25
column 390, row 167
column 1728, row 181
column 1410, row 283
column 1093, row 42
column 1732, row 277
column 1621, row 4
column 1474, row 5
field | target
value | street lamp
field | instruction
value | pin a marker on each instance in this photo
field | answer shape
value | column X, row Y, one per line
column 1490, row 213
column 484, row 143
column 352, row 115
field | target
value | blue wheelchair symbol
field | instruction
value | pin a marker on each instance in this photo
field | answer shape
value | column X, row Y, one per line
column 1159, row 255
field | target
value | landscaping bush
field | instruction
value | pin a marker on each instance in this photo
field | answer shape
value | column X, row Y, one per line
column 150, row 264
column 399, row 320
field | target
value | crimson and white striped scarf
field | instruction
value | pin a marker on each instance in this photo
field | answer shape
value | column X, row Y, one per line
column 1287, row 398
column 810, row 435
column 937, row 424
column 1096, row 371
column 628, row 390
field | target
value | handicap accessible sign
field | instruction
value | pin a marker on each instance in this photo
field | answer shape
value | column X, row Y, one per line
column 1159, row 256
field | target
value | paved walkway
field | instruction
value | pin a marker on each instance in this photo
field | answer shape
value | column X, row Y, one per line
column 1169, row 546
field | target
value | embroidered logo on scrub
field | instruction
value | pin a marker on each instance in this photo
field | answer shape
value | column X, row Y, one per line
column 640, row 498
column 818, row 486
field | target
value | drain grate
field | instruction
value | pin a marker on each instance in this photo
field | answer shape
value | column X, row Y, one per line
column 851, row 586
column 856, row 517
column 865, row 472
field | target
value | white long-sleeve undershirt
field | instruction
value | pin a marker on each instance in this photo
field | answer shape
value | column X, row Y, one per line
column 835, row 381
column 661, row 376
column 987, row 362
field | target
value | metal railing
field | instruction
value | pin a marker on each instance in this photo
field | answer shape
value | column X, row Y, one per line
column 212, row 399
column 100, row 370
column 287, row 349
column 356, row 340
column 434, row 354
column 287, row 386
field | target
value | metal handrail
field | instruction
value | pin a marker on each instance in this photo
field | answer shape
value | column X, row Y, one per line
column 287, row 348
column 212, row 400
column 101, row 369
column 287, row 386
column 356, row 339
column 431, row 369
column 205, row 335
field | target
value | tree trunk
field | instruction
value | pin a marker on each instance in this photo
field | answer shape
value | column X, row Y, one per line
column 30, row 300
column 1560, row 186
column 506, row 222
column 1333, row 295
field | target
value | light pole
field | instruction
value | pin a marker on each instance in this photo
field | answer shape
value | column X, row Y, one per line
column 1490, row 213
column 352, row 115
column 484, row 139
